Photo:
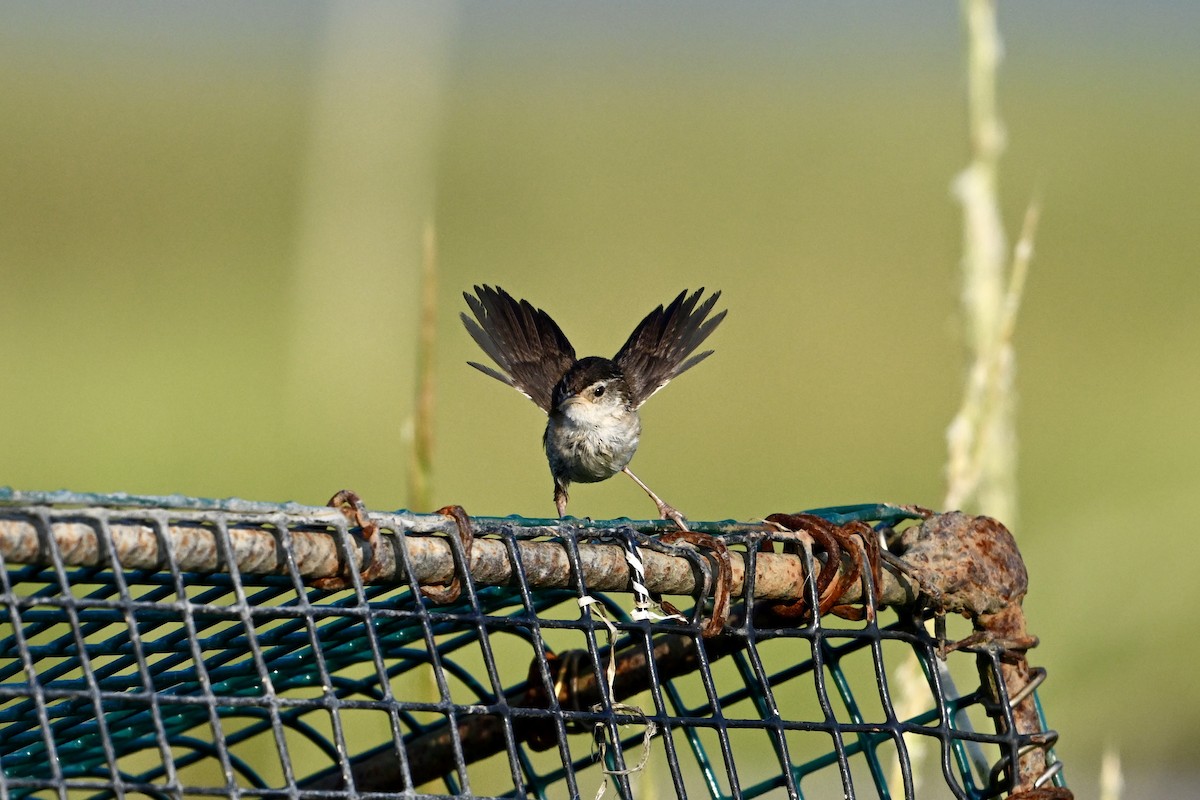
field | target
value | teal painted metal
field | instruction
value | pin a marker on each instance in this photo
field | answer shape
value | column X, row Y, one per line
column 98, row 665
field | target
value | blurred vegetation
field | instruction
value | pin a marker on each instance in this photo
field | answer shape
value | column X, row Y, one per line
column 210, row 237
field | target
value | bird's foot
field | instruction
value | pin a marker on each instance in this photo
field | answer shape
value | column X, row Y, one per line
column 666, row 511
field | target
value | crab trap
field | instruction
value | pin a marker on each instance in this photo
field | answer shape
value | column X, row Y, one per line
column 176, row 647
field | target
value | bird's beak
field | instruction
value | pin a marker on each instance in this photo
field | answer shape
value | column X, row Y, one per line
column 574, row 401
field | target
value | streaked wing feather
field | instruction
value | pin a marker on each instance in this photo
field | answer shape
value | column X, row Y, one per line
column 528, row 346
column 659, row 347
column 694, row 360
column 486, row 370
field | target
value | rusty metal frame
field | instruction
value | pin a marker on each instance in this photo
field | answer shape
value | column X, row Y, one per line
column 202, row 565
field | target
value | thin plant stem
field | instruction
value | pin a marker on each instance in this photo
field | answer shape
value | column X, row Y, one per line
column 981, row 439
column 420, row 472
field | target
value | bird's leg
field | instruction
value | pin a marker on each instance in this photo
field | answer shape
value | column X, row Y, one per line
column 664, row 511
column 560, row 499
column 724, row 577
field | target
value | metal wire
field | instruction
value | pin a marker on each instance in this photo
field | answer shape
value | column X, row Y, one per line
column 158, row 647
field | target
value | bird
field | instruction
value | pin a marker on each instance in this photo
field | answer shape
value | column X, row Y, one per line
column 592, row 426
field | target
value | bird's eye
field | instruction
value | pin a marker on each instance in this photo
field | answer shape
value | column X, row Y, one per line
column 598, row 391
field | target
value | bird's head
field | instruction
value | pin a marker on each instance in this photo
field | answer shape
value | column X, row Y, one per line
column 591, row 389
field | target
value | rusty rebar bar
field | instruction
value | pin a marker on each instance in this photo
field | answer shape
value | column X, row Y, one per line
column 189, row 539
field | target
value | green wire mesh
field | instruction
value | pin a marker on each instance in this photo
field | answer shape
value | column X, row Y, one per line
column 162, row 681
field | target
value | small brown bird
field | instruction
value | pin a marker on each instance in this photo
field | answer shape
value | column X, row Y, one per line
column 593, row 426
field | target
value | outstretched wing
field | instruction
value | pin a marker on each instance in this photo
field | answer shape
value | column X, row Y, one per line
column 662, row 344
column 524, row 342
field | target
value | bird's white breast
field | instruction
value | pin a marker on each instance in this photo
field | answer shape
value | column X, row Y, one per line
column 588, row 442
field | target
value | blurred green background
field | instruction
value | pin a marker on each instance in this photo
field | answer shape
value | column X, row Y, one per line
column 210, row 236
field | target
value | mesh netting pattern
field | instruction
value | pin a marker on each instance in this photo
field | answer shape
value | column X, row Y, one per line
column 172, row 681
